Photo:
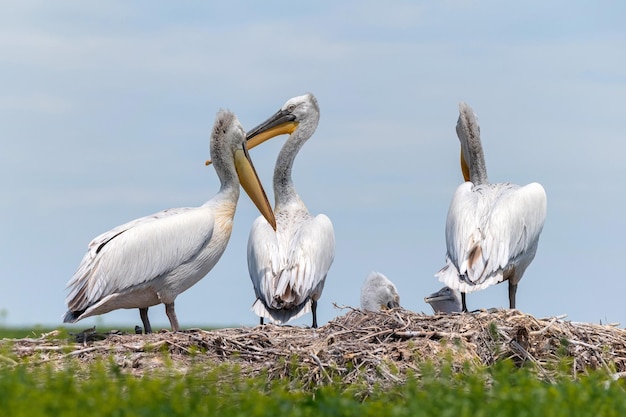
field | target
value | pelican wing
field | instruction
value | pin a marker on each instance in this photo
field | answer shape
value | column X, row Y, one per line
column 288, row 276
column 137, row 252
column 263, row 258
column 491, row 228
column 309, row 258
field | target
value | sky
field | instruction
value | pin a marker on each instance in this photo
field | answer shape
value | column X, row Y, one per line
column 106, row 110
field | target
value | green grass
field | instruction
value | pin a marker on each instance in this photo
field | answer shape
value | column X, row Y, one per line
column 37, row 331
column 104, row 390
column 19, row 332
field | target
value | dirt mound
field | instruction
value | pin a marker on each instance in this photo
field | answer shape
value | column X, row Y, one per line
column 372, row 348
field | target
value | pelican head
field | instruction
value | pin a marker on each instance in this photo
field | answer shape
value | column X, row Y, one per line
column 229, row 138
column 472, row 157
column 446, row 300
column 300, row 112
column 378, row 293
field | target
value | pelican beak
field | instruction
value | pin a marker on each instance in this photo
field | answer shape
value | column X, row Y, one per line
column 437, row 297
column 464, row 167
column 252, row 185
column 281, row 123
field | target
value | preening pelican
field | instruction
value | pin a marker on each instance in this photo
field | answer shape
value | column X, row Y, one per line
column 446, row 300
column 378, row 293
column 492, row 230
column 288, row 266
column 152, row 259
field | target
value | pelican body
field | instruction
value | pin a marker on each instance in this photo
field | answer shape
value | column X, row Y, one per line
column 288, row 266
column 151, row 260
column 378, row 293
column 492, row 230
column 446, row 300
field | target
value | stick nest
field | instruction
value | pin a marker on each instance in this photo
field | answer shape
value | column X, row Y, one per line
column 358, row 347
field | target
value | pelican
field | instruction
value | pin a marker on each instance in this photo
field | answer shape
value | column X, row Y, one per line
column 492, row 230
column 378, row 293
column 446, row 300
column 288, row 266
column 152, row 259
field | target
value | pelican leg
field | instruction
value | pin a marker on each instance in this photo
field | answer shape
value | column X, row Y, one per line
column 314, row 311
column 261, row 321
column 171, row 314
column 512, row 292
column 463, row 305
column 143, row 313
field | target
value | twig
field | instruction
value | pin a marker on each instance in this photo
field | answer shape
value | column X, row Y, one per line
column 319, row 364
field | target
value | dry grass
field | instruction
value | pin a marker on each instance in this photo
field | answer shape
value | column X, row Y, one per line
column 371, row 348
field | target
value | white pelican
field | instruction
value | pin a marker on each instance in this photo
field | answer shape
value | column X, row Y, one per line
column 288, row 266
column 492, row 230
column 446, row 300
column 152, row 259
column 378, row 293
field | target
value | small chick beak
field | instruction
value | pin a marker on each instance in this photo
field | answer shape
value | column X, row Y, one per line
column 437, row 297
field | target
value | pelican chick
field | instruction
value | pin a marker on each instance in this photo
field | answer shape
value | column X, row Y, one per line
column 378, row 293
column 151, row 260
column 492, row 230
column 288, row 265
column 446, row 300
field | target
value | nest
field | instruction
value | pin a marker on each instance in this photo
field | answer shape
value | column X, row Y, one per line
column 376, row 349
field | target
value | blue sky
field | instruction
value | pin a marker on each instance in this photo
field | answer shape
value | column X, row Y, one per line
column 106, row 109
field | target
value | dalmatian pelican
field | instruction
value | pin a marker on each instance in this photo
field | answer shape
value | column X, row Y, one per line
column 492, row 230
column 378, row 293
column 150, row 260
column 288, row 265
column 446, row 300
